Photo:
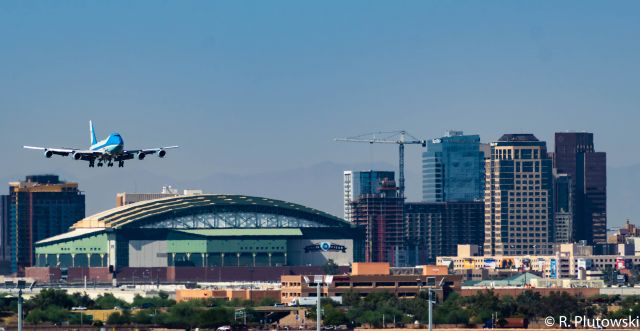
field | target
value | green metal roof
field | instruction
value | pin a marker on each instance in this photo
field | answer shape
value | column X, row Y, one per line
column 242, row 232
column 144, row 210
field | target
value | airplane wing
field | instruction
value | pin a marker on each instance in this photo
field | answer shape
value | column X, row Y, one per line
column 141, row 153
column 53, row 151
column 77, row 154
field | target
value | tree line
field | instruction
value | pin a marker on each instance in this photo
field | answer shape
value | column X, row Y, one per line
column 53, row 306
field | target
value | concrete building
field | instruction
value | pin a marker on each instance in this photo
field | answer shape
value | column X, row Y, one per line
column 357, row 183
column 624, row 234
column 40, row 207
column 575, row 156
column 453, row 169
column 518, row 197
column 381, row 216
column 375, row 279
column 436, row 229
column 254, row 295
column 204, row 237
column 566, row 261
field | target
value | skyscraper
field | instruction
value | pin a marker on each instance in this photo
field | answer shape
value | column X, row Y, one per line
column 518, row 197
column 563, row 209
column 357, row 183
column 381, row 215
column 453, row 168
column 5, row 256
column 575, row 156
column 40, row 207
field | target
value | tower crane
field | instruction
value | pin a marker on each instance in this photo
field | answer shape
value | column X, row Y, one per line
column 401, row 138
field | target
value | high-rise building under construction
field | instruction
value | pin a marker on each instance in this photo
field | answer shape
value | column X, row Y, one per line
column 381, row 214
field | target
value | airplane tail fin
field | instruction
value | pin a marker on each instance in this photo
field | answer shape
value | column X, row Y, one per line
column 93, row 134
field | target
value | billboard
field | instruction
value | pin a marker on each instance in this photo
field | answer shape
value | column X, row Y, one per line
column 468, row 264
column 585, row 264
column 622, row 263
column 490, row 263
column 553, row 269
column 541, row 263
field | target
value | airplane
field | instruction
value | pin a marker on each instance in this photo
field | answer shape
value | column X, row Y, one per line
column 105, row 151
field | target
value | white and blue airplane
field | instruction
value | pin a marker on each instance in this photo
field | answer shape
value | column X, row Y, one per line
column 105, row 151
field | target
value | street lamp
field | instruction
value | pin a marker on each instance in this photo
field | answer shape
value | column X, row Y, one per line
column 21, row 285
column 430, row 302
column 318, row 280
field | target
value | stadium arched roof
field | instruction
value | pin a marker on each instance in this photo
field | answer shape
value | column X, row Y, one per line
column 211, row 211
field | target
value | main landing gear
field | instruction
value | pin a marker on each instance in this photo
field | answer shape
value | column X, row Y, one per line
column 92, row 164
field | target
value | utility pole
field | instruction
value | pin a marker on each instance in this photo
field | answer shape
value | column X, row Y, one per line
column 318, row 305
column 21, row 285
column 430, row 310
column 19, row 307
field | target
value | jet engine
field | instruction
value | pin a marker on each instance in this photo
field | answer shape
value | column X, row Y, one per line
column 48, row 154
column 162, row 153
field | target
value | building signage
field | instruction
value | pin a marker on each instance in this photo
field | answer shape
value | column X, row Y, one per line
column 585, row 264
column 553, row 269
column 325, row 247
column 490, row 263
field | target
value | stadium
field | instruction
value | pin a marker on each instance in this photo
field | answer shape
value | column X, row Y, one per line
column 201, row 237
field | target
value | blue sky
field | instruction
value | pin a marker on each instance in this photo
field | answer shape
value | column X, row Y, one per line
column 253, row 86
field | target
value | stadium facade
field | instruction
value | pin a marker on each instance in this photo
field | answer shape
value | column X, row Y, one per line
column 231, row 233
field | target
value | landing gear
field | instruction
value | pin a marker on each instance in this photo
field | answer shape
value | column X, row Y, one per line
column 110, row 164
column 92, row 164
column 100, row 164
column 120, row 164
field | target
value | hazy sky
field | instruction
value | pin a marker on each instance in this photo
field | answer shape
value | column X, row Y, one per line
column 253, row 86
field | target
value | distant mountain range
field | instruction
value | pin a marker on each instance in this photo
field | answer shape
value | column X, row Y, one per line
column 318, row 186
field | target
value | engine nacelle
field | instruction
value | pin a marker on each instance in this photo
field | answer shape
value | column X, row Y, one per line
column 162, row 153
column 48, row 154
column 141, row 156
column 77, row 156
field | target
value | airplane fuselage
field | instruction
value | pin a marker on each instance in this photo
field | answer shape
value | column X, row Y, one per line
column 113, row 144
column 105, row 151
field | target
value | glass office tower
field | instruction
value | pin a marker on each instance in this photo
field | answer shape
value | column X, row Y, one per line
column 453, row 169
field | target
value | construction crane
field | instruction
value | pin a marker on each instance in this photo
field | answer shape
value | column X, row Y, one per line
column 401, row 138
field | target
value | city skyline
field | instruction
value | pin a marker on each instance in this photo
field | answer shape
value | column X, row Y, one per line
column 489, row 179
column 249, row 98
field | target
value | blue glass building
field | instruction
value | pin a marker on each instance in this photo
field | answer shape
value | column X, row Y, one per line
column 453, row 169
